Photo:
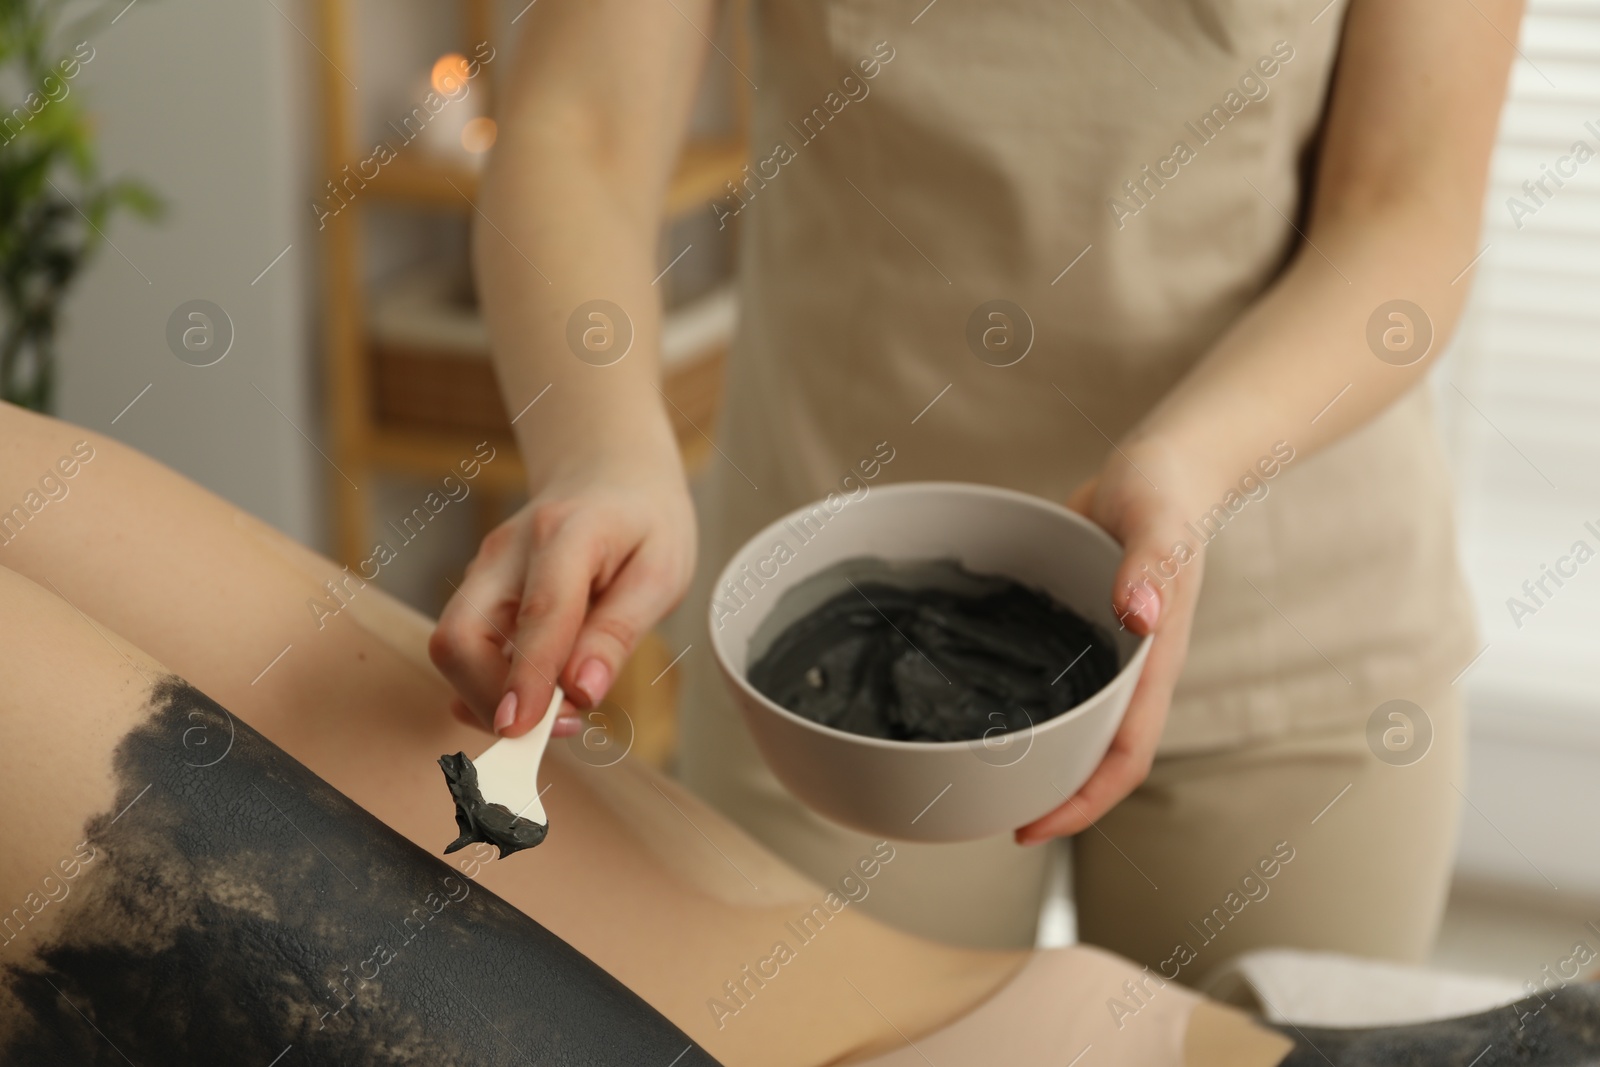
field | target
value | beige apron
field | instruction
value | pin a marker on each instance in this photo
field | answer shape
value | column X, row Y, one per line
column 908, row 167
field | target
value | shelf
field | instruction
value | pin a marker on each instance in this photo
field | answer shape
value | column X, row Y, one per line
column 703, row 169
column 435, row 453
column 706, row 165
column 410, row 180
column 433, row 409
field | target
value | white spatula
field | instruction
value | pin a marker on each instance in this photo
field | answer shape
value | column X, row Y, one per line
column 497, row 794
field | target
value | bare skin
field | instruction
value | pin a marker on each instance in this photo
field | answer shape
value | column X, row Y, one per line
column 136, row 570
column 215, row 596
column 606, row 546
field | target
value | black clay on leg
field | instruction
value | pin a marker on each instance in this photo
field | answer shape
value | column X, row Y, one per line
column 239, row 909
column 1559, row 1028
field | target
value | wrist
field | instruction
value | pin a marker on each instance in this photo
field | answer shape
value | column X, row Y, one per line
column 635, row 446
column 1202, row 452
column 1196, row 474
column 1185, row 472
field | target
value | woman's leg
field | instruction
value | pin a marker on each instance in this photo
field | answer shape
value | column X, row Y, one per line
column 671, row 899
column 187, row 892
column 207, row 899
column 650, row 884
column 1309, row 841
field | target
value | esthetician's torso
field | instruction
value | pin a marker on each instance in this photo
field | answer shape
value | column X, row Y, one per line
column 980, row 153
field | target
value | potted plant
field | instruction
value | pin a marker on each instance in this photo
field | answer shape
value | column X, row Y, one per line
column 54, row 205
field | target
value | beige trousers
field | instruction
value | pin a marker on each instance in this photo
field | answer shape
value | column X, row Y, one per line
column 1309, row 840
column 1180, row 868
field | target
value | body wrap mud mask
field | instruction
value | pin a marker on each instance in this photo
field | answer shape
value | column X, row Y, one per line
column 927, row 651
column 241, row 910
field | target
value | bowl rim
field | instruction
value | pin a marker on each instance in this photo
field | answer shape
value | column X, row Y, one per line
column 1134, row 664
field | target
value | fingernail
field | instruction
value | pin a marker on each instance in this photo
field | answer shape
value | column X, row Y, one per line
column 593, row 681
column 1145, row 602
column 506, row 713
column 567, row 726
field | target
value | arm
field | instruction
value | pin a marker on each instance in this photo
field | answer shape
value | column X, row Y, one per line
column 1397, row 210
column 571, row 207
column 1395, row 214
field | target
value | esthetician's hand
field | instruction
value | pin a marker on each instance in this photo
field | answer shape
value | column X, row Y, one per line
column 563, row 591
column 1124, row 498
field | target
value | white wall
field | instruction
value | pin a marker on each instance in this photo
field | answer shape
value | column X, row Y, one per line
column 204, row 101
column 1534, row 782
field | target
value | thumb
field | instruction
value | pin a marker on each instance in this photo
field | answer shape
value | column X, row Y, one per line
column 1145, row 580
column 1136, row 590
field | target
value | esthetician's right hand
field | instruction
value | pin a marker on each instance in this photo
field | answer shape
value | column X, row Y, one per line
column 563, row 591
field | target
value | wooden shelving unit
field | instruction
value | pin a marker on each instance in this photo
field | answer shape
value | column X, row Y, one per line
column 706, row 164
column 361, row 442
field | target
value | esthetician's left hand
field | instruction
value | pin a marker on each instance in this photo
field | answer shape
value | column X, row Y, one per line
column 1142, row 496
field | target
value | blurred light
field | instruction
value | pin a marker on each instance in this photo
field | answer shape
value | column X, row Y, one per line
column 449, row 73
column 478, row 135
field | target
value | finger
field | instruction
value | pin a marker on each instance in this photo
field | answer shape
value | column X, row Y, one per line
column 1119, row 774
column 1127, row 762
column 638, row 597
column 468, row 643
column 1146, row 579
column 1149, row 563
column 1125, row 765
column 554, row 603
column 567, row 724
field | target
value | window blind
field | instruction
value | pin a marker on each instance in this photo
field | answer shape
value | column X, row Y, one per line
column 1519, row 394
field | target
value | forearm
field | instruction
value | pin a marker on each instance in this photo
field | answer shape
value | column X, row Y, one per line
column 570, row 213
column 1298, row 367
column 1395, row 216
column 553, row 236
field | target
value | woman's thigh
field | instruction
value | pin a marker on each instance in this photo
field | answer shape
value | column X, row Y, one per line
column 650, row 884
column 183, row 891
column 1314, row 841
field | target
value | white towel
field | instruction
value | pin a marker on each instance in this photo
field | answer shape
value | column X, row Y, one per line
column 1329, row 989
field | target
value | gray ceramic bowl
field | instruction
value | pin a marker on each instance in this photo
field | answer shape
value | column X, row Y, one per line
column 915, row 791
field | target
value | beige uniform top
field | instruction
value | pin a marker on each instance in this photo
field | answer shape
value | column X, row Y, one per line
column 909, row 167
